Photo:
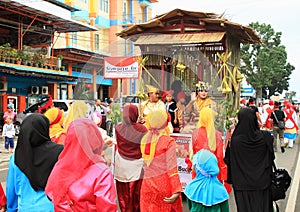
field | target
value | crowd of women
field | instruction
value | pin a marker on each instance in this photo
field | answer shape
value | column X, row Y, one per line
column 59, row 163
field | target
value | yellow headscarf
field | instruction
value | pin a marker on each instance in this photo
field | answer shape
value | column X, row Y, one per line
column 56, row 119
column 158, row 120
column 206, row 119
column 78, row 109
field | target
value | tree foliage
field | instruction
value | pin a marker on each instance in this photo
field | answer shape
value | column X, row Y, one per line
column 265, row 65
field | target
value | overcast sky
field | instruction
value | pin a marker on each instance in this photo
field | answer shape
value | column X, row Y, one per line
column 283, row 17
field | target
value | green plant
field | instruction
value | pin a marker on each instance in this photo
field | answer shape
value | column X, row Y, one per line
column 80, row 92
column 59, row 56
column 37, row 58
column 6, row 50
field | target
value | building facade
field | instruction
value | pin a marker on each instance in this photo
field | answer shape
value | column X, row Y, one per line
column 66, row 42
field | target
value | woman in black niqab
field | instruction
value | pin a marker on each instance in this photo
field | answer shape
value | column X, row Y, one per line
column 36, row 154
column 251, row 156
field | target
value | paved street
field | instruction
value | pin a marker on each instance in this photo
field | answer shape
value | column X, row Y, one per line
column 286, row 160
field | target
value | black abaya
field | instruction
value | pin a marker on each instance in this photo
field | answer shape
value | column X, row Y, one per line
column 251, row 156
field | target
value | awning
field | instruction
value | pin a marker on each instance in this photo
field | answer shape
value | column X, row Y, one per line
column 44, row 11
column 159, row 39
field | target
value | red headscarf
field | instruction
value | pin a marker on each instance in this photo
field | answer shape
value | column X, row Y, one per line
column 83, row 148
column 130, row 133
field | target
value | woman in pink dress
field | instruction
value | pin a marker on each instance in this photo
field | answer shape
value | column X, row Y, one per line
column 80, row 180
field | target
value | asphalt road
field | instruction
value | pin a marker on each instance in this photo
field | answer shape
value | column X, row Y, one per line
column 287, row 160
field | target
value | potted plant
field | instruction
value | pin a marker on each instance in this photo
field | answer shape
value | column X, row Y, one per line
column 59, row 59
column 36, row 59
column 2, row 52
column 62, row 68
column 7, row 52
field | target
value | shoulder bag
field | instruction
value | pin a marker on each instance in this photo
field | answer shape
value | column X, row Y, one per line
column 280, row 124
column 281, row 181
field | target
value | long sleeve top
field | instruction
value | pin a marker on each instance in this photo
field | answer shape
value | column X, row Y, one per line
column 20, row 195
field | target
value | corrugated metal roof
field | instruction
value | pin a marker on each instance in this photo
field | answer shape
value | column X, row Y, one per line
column 179, row 38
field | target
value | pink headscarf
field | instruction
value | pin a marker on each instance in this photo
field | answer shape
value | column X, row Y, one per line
column 82, row 149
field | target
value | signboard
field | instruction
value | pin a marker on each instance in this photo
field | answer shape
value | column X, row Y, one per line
column 182, row 150
column 121, row 68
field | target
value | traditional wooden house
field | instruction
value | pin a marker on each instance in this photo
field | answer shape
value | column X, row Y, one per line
column 191, row 47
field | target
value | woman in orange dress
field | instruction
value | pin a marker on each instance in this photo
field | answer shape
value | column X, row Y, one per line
column 161, row 187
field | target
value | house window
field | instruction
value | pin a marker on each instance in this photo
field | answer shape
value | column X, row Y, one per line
column 104, row 4
column 97, row 41
column 74, row 39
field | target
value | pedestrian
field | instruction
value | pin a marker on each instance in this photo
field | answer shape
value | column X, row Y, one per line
column 276, row 116
column 109, row 117
column 291, row 125
column 8, row 132
column 30, row 166
column 200, row 99
column 251, row 104
column 251, row 157
column 78, row 109
column 151, row 104
column 99, row 106
column 161, row 187
column 107, row 140
column 205, row 192
column 206, row 136
column 172, row 109
column 80, row 180
column 128, row 159
column 56, row 120
column 10, row 112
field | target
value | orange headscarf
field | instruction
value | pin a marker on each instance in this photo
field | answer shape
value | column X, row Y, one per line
column 158, row 120
column 56, row 119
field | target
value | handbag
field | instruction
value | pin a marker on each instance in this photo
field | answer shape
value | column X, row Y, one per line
column 280, row 124
column 281, row 181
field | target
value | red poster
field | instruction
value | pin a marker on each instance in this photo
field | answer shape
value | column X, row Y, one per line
column 121, row 68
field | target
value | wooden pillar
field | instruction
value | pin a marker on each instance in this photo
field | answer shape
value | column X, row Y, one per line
column 54, row 90
column 162, row 79
column 70, row 90
column 94, row 87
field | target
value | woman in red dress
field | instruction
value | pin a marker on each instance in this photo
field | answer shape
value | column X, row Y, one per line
column 161, row 187
column 205, row 136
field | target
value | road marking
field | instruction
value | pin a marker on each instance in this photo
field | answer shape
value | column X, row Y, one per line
column 291, row 203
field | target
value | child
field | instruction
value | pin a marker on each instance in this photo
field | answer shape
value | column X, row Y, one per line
column 8, row 133
column 206, row 192
column 172, row 109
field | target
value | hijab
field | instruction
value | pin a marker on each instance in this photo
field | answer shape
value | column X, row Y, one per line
column 158, row 121
column 251, row 153
column 129, row 133
column 36, row 154
column 56, row 119
column 206, row 120
column 78, row 109
column 97, row 118
column 206, row 188
column 83, row 148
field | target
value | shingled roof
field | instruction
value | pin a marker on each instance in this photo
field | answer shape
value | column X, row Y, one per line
column 180, row 21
